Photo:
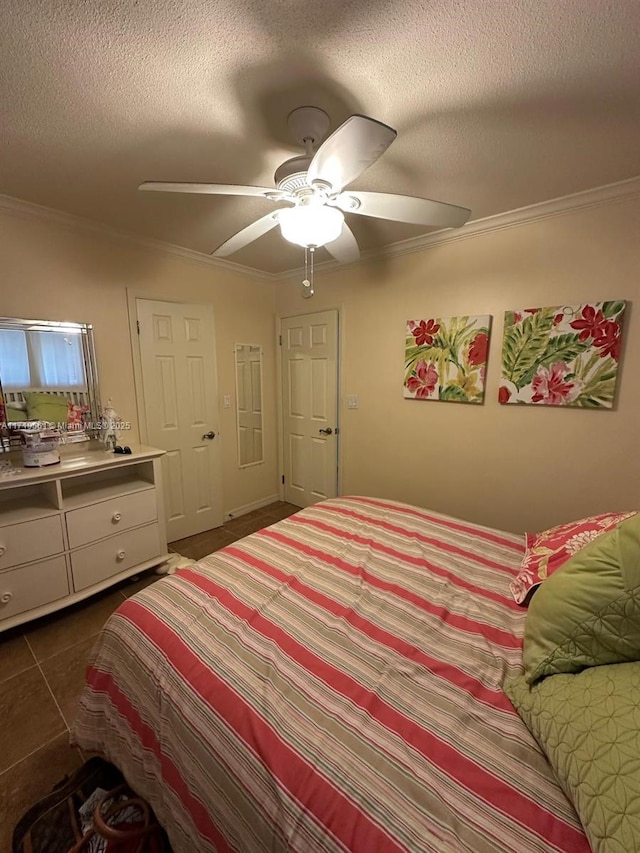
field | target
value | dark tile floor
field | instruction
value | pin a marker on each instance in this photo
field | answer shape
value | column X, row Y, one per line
column 42, row 672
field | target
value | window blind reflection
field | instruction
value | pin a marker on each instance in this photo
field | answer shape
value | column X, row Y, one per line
column 30, row 359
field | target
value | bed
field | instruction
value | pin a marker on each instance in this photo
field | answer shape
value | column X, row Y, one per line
column 331, row 683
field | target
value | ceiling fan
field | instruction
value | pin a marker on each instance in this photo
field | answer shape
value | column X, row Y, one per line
column 313, row 185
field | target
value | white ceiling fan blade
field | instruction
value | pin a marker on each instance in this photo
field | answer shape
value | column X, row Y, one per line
column 345, row 248
column 350, row 149
column 247, row 235
column 214, row 189
column 403, row 208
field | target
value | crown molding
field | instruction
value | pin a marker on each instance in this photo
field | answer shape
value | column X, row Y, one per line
column 72, row 222
column 596, row 197
column 592, row 198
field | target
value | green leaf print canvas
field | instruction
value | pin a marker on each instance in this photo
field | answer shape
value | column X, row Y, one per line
column 446, row 359
column 562, row 356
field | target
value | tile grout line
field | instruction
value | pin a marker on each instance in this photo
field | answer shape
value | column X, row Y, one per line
column 20, row 671
column 3, row 681
column 65, row 648
column 33, row 752
column 46, row 681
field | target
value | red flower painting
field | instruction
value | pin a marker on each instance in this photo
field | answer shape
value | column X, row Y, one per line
column 446, row 359
column 590, row 324
column 565, row 355
column 608, row 340
column 424, row 380
column 550, row 386
column 425, row 332
column 504, row 395
column 478, row 349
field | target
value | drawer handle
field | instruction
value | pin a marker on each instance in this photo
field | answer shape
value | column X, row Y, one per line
column 120, row 555
column 3, row 550
column 6, row 597
column 116, row 517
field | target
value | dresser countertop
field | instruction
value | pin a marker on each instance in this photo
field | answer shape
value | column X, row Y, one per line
column 74, row 461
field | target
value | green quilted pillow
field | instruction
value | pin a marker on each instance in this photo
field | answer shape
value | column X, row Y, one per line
column 14, row 415
column 588, row 612
column 588, row 725
column 46, row 407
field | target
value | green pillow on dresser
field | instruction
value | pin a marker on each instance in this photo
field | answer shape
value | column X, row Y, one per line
column 588, row 612
column 14, row 415
column 46, row 407
column 589, row 728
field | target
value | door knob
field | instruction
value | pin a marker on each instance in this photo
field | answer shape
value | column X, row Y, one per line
column 209, row 436
column 326, row 431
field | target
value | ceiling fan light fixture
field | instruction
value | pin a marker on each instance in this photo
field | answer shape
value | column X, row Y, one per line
column 311, row 224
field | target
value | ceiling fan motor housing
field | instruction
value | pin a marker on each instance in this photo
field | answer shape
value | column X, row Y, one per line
column 292, row 174
column 308, row 123
column 291, row 177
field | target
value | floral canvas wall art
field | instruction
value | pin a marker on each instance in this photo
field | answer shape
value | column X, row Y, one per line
column 446, row 359
column 562, row 356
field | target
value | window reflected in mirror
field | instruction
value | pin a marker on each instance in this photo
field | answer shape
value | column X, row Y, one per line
column 248, row 360
column 35, row 359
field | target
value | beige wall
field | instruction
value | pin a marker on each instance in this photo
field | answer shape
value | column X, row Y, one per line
column 514, row 467
column 52, row 272
column 507, row 466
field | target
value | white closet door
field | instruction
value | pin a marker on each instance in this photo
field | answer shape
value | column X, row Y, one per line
column 310, row 407
column 177, row 347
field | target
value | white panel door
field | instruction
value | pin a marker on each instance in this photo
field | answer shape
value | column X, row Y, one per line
column 177, row 353
column 310, row 407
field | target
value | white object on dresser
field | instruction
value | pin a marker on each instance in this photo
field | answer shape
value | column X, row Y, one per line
column 73, row 529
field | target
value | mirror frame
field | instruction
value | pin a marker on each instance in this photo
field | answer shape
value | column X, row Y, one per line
column 88, row 356
column 235, row 364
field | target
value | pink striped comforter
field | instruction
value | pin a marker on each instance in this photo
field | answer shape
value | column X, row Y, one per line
column 331, row 683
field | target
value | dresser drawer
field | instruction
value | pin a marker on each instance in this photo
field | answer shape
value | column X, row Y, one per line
column 32, row 586
column 30, row 540
column 111, row 556
column 96, row 521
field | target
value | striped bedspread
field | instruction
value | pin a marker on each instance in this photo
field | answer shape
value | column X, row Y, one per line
column 330, row 683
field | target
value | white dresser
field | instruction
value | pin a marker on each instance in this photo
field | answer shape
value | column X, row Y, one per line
column 73, row 529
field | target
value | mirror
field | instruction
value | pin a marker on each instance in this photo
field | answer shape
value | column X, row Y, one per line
column 48, row 373
column 248, row 358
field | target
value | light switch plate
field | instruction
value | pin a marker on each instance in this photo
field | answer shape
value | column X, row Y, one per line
column 226, row 401
column 352, row 401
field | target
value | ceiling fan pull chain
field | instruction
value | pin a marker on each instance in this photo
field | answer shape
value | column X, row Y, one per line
column 307, row 284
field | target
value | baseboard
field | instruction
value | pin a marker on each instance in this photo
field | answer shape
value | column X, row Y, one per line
column 243, row 510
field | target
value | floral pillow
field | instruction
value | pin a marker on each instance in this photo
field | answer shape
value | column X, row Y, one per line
column 547, row 551
column 76, row 415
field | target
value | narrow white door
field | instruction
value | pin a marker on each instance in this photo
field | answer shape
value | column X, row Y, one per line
column 177, row 353
column 310, row 407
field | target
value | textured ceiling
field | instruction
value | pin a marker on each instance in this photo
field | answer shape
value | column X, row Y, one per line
column 497, row 104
